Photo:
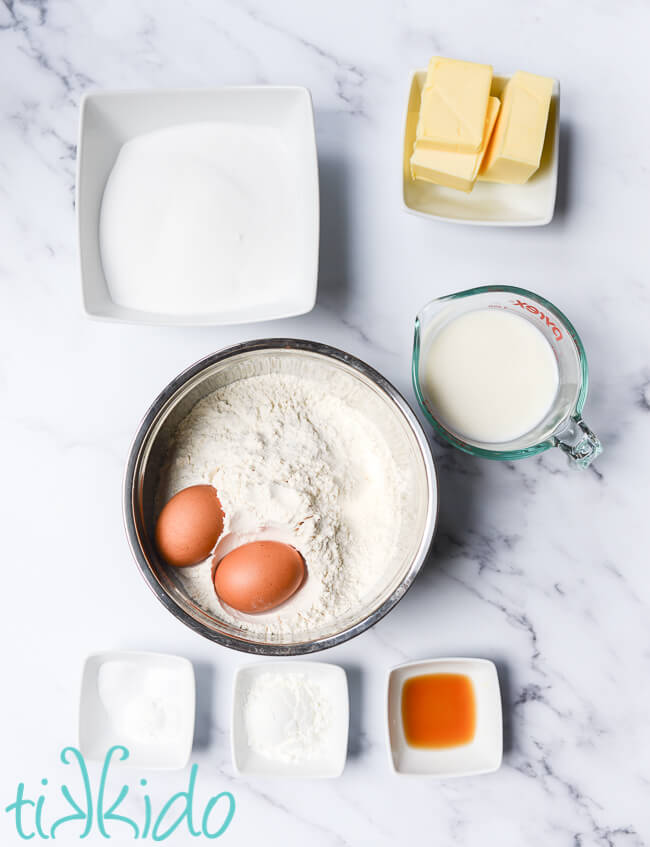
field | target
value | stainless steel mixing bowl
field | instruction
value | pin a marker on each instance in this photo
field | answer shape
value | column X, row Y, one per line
column 337, row 372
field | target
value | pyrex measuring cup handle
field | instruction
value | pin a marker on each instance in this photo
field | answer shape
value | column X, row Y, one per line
column 579, row 442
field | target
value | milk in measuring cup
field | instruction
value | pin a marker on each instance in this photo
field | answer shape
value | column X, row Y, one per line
column 489, row 376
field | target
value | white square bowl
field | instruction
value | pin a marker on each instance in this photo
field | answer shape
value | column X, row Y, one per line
column 100, row 725
column 482, row 755
column 110, row 119
column 332, row 679
column 488, row 204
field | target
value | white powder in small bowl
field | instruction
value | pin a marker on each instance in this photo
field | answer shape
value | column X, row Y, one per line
column 287, row 717
column 143, row 704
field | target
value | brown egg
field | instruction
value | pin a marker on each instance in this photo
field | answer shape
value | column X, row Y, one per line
column 259, row 575
column 189, row 526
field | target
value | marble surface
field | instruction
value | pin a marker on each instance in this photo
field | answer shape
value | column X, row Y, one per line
column 542, row 569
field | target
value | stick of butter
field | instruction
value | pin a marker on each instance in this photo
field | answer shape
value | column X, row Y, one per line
column 454, row 170
column 454, row 105
column 515, row 150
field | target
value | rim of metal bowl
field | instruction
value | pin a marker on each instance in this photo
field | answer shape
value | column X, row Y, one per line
column 133, row 464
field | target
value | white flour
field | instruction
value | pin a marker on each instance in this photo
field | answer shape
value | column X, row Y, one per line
column 291, row 461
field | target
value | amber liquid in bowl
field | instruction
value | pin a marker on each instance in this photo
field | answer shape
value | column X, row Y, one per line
column 438, row 710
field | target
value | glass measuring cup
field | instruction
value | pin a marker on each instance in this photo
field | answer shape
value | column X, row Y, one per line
column 562, row 426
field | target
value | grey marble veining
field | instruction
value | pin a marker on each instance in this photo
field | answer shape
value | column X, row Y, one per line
column 542, row 569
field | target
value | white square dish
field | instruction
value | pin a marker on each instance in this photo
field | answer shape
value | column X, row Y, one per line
column 142, row 701
column 482, row 755
column 488, row 204
column 330, row 763
column 110, row 119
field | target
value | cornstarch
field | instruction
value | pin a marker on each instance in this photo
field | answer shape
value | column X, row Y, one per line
column 287, row 717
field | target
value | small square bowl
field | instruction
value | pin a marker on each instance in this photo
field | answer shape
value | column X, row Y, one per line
column 482, row 755
column 115, row 707
column 109, row 119
column 489, row 204
column 332, row 679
